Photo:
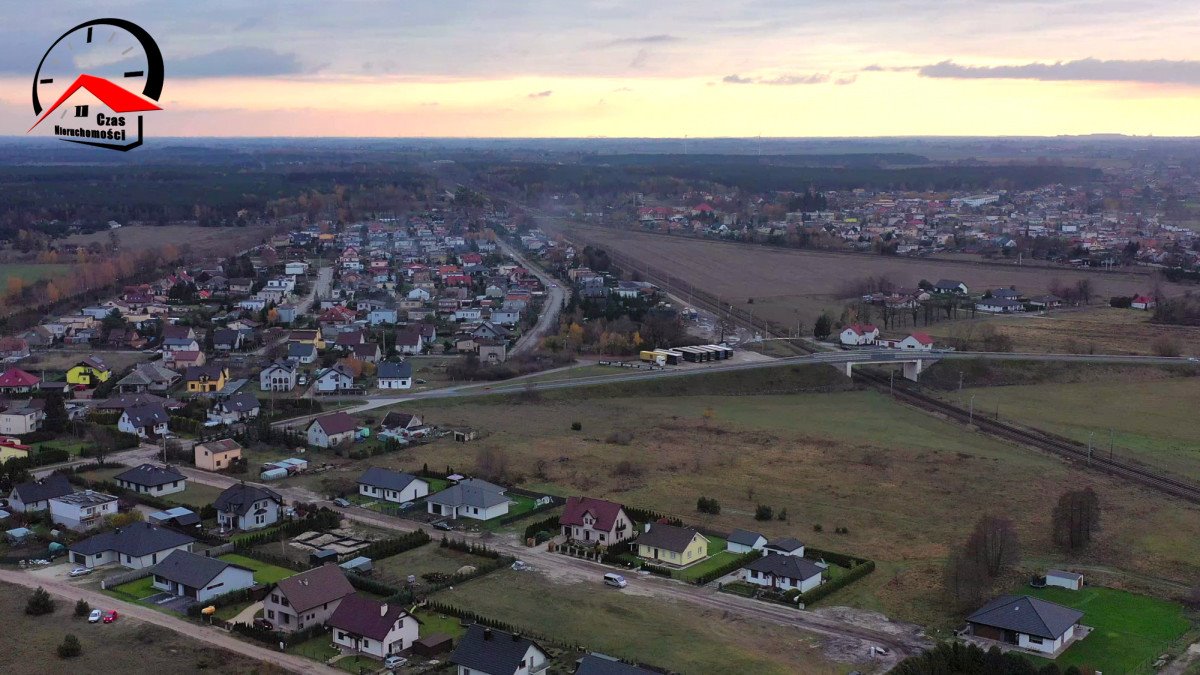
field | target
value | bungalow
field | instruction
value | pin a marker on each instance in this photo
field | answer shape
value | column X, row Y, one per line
column 226, row 339
column 17, row 381
column 36, row 495
column 470, row 498
column 491, row 651
column 199, row 577
column 279, row 376
column 335, row 379
column 920, row 342
column 401, row 423
column 595, row 521
column 306, row 599
column 391, row 486
column 185, row 359
column 328, row 431
column 601, row 664
column 1029, row 623
column 295, row 267
column 783, row 573
column 134, row 546
column 786, row 546
column 950, row 286
column 394, row 375
column 236, row 408
column 859, row 334
column 999, row 305
column 148, row 377
column 217, row 455
column 152, row 480
column 372, row 626
column 89, row 372
column 205, row 379
column 744, row 541
column 1046, row 302
column 144, row 420
column 302, row 352
column 247, row 507
column 173, row 344
column 672, row 545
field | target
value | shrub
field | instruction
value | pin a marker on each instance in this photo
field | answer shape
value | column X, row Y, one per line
column 82, row 608
column 39, row 603
column 576, row 426
column 817, row 527
column 70, row 647
column 708, row 505
column 764, row 512
column 782, row 514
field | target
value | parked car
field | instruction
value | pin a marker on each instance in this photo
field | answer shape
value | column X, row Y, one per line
column 80, row 571
column 110, row 616
column 393, row 662
column 420, row 381
column 443, row 525
column 341, row 502
column 407, row 505
column 94, row 617
column 615, row 580
column 264, row 624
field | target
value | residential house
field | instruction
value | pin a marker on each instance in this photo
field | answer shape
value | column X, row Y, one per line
column 331, row 430
column 600, row 664
column 470, row 498
column 410, row 342
column 401, row 423
column 369, row 626
column 279, row 376
column 491, row 331
column 346, row 340
column 12, row 448
column 153, row 377
column 392, row 375
column 206, row 379
column 17, row 381
column 134, row 546
column 591, row 521
column 391, row 486
column 996, row 305
column 146, row 421
column 1046, row 302
column 35, row 495
column 334, row 379
column 491, row 651
column 227, row 339
column 172, row 344
column 217, row 455
column 199, row 577
column 744, row 541
column 1029, row 623
column 184, row 360
column 21, row 419
column 671, row 545
column 306, row 599
column 783, row 573
column 859, row 334
column 302, row 352
column 82, row 510
column 13, row 348
column 89, row 372
column 152, row 479
column 236, row 408
column 491, row 351
column 950, row 286
column 247, row 507
column 785, row 546
column 382, row 315
column 920, row 342
column 367, row 352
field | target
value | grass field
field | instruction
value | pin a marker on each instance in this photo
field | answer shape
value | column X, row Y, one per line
column 1130, row 630
column 59, row 361
column 652, row 630
column 31, row 272
column 717, row 556
column 135, row 590
column 421, row 560
column 435, row 624
column 201, row 239
column 127, row 646
column 264, row 573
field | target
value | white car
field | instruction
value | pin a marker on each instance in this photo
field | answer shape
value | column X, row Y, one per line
column 94, row 617
column 81, row 571
column 393, row 662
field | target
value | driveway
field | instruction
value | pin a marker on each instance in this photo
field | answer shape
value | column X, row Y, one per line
column 170, row 601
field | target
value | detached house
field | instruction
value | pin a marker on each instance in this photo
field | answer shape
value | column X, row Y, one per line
column 490, row 651
column 306, row 599
column 328, row 431
column 89, row 372
column 247, row 507
column 783, row 573
column 205, row 379
column 280, row 376
column 217, row 455
column 36, row 495
column 82, row 510
column 859, row 334
column 744, row 541
column 670, row 545
column 373, row 627
column 391, row 486
column 17, row 381
column 236, row 408
column 1029, row 623
column 302, row 352
column 410, row 342
column 591, row 521
column 201, row 578
column 146, row 421
column 153, row 480
column 148, row 377
column 135, row 546
column 394, row 375
column 470, row 498
column 335, row 379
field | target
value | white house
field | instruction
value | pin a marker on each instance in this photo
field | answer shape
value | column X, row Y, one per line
column 859, row 334
column 330, row 430
column 337, row 378
column 410, row 342
column 419, row 294
column 199, row 577
column 470, row 498
column 785, row 546
column 306, row 599
column 247, row 507
column 1029, row 623
column 391, row 486
column 744, row 541
column 999, row 305
column 783, row 573
column 36, row 494
column 490, row 651
column 920, row 342
column 373, row 627
column 152, row 479
column 82, row 510
column 236, row 408
column 394, row 375
column 134, row 546
column 144, row 420
column 295, row 267
column 280, row 376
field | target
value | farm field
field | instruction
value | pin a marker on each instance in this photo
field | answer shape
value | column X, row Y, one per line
column 783, row 282
column 28, row 644
column 31, row 272
column 851, row 459
column 1130, row 630
column 60, row 360
column 1152, row 421
column 201, row 239
column 652, row 630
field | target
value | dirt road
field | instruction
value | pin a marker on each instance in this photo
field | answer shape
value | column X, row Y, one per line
column 212, row 636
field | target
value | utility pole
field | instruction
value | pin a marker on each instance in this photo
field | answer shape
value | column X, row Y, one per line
column 1110, row 443
column 892, row 383
column 960, row 380
column 1091, row 434
column 971, row 413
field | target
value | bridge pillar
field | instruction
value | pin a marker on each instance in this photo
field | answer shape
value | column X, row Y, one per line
column 846, row 368
column 912, row 369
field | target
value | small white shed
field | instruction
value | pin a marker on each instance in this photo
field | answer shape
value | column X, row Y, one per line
column 1063, row 579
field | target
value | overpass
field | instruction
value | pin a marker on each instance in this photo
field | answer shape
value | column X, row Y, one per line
column 912, row 363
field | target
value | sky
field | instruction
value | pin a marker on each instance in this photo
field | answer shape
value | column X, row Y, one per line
column 616, row 68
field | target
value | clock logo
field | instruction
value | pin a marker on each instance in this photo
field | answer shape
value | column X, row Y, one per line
column 95, row 79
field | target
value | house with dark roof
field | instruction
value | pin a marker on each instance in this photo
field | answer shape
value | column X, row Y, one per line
column 236, row 408
column 373, row 627
column 84, row 510
column 134, row 546
column 591, row 521
column 783, row 573
column 330, row 430
column 205, row 379
column 36, row 494
column 744, row 541
column 600, row 664
column 148, row 377
column 247, row 507
column 996, row 305
column 784, row 546
column 152, row 479
column 392, row 375
column 306, row 599
column 1027, row 622
column 671, row 545
column 144, row 420
column 391, row 486
column 491, row 651
column 401, row 423
column 227, row 339
column 89, row 372
column 199, row 577
column 334, row 379
column 950, row 286
column 470, row 498
column 302, row 352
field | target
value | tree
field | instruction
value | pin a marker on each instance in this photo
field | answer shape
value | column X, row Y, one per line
column 823, row 327
column 82, row 608
column 764, row 512
column 56, row 413
column 39, row 603
column 70, row 647
column 993, row 545
column 1075, row 518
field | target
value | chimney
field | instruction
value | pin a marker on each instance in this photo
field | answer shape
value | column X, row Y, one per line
column 383, row 609
column 487, row 633
column 647, row 527
column 516, row 637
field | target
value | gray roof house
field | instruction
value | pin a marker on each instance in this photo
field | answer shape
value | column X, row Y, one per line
column 36, row 495
column 148, row 377
column 152, row 479
column 391, row 486
column 783, row 572
column 247, row 507
column 600, row 664
column 744, row 541
column 495, row 652
column 668, row 537
column 1025, row 621
column 470, row 498
column 135, row 546
column 199, row 577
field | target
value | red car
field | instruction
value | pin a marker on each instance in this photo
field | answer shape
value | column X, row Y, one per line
column 110, row 616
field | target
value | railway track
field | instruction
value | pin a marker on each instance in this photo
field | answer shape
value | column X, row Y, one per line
column 1041, row 440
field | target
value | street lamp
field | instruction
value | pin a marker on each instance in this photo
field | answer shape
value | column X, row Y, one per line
column 971, row 418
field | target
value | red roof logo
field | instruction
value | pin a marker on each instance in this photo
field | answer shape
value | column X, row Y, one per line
column 117, row 99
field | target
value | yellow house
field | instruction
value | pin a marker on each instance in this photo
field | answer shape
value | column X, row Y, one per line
column 307, row 337
column 217, row 455
column 672, row 546
column 11, row 448
column 205, row 379
column 89, row 372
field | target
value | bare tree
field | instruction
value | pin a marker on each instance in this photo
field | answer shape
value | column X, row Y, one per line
column 993, row 545
column 1075, row 518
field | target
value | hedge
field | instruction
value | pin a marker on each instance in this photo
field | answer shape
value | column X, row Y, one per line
column 857, row 572
column 550, row 524
column 841, row 559
column 648, row 516
column 728, row 567
column 273, row 638
column 372, row 585
column 223, row 600
column 396, row 545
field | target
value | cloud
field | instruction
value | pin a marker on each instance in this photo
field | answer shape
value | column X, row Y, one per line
column 785, row 80
column 639, row 59
column 541, row 94
column 737, row 79
column 849, row 79
column 662, row 38
column 237, row 62
column 876, row 68
column 1088, row 70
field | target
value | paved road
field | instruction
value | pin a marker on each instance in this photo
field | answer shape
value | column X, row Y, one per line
column 213, row 636
column 556, row 299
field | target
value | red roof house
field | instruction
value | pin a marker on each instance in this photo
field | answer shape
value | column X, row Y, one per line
column 595, row 521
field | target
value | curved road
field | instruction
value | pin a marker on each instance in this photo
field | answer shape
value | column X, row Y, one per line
column 556, row 299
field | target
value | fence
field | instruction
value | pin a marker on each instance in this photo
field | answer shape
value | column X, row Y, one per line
column 124, row 578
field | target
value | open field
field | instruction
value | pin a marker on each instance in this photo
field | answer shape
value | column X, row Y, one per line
column 1130, row 630
column 30, row 272
column 899, row 480
column 783, row 282
column 201, row 239
column 423, row 560
column 60, row 360
column 127, row 646
column 652, row 630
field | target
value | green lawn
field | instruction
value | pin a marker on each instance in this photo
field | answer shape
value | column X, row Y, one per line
column 319, row 649
column 227, row 612
column 719, row 556
column 195, row 495
column 1130, row 630
column 433, row 624
column 134, row 591
column 264, row 573
column 30, row 273
column 71, row 445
